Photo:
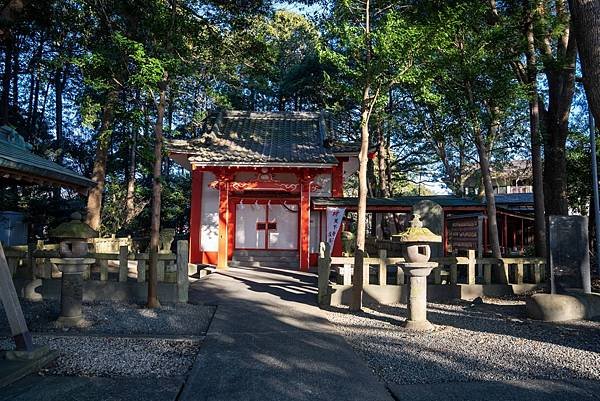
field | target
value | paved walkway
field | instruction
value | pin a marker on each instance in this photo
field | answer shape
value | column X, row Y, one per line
column 269, row 341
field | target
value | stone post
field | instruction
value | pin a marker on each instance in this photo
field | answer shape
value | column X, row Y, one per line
column 182, row 271
column 324, row 271
column 417, row 294
column 71, row 290
column 73, row 264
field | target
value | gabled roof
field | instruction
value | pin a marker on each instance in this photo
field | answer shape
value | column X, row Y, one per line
column 241, row 138
column 18, row 164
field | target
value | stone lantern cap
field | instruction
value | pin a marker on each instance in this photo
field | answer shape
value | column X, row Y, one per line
column 417, row 233
column 74, row 229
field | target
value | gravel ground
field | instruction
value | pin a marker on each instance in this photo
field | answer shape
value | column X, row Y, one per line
column 116, row 357
column 119, row 318
column 490, row 341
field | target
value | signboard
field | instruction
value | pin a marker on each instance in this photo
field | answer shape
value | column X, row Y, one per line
column 569, row 253
column 335, row 216
column 464, row 234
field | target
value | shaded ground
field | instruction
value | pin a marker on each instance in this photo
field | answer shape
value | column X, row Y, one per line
column 118, row 318
column 488, row 342
column 120, row 352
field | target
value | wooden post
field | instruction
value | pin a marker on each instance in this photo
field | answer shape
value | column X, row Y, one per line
column 12, row 308
column 103, row 269
column 487, row 273
column 141, row 270
column 182, row 271
column 453, row 273
column 471, row 267
column 382, row 267
column 123, row 263
column 324, row 269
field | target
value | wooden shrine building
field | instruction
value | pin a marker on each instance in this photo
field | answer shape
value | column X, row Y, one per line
column 253, row 175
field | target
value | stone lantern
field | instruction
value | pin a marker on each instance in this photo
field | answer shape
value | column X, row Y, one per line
column 73, row 236
column 416, row 251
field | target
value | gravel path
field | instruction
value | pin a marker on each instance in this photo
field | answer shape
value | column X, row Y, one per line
column 119, row 318
column 116, row 357
column 492, row 341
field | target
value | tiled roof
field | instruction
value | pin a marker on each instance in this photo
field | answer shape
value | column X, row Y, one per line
column 253, row 138
column 17, row 161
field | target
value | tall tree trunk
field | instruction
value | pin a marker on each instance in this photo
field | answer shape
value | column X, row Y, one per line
column 6, row 80
column 130, row 205
column 15, row 74
column 384, row 188
column 94, row 203
column 535, row 137
column 58, row 93
column 363, row 157
column 156, row 200
column 486, row 178
column 559, row 68
column 586, row 19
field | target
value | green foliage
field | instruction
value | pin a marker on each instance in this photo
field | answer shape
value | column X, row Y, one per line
column 579, row 173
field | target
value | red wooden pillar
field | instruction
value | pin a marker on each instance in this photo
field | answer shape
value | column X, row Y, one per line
column 337, row 180
column 195, row 213
column 223, row 222
column 304, row 223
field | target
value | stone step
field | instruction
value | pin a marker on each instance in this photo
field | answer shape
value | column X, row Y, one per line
column 237, row 263
column 265, row 252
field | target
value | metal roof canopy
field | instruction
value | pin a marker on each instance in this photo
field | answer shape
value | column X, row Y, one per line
column 19, row 166
column 399, row 204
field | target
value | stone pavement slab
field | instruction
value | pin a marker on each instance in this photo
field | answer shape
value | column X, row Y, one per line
column 269, row 341
column 68, row 388
column 529, row 390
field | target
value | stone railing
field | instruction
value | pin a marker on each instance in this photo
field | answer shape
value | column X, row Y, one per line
column 33, row 262
column 469, row 270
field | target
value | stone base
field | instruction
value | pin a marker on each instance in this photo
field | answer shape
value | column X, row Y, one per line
column 37, row 353
column 23, row 364
column 563, row 307
column 69, row 321
column 423, row 325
